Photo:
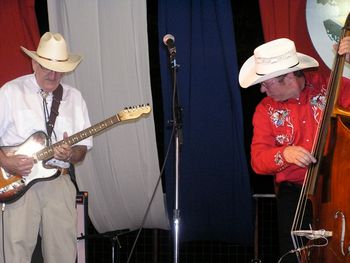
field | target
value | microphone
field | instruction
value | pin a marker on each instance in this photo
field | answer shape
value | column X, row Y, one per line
column 169, row 41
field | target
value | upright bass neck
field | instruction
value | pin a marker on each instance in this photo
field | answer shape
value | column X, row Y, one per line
column 331, row 111
column 335, row 77
column 327, row 181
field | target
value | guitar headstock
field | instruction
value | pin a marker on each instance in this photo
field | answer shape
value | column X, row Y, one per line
column 134, row 112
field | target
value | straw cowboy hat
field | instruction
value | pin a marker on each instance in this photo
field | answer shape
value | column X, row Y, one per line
column 52, row 53
column 273, row 59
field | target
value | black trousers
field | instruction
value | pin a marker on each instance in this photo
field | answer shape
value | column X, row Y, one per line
column 287, row 201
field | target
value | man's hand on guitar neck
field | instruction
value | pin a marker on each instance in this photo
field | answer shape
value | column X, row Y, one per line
column 67, row 153
column 16, row 164
column 64, row 152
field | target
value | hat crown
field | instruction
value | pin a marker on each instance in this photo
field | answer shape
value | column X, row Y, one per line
column 273, row 59
column 274, row 56
column 52, row 47
column 52, row 53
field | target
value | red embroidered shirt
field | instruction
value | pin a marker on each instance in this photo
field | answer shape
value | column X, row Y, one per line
column 292, row 122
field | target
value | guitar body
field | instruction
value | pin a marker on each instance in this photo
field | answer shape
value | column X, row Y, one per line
column 12, row 186
column 37, row 146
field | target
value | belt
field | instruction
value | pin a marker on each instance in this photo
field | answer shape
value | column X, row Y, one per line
column 288, row 185
column 291, row 185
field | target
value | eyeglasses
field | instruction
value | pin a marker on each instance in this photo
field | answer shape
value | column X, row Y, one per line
column 273, row 81
column 46, row 70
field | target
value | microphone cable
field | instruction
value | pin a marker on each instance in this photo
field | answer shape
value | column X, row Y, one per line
column 3, row 232
column 153, row 195
column 169, row 41
column 298, row 250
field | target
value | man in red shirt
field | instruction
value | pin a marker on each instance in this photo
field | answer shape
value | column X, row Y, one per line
column 286, row 121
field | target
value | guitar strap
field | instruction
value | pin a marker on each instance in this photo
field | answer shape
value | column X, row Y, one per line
column 56, row 100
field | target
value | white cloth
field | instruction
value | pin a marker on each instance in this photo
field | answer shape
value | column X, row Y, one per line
column 121, row 171
column 47, row 206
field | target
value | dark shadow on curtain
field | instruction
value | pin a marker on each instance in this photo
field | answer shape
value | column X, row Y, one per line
column 215, row 197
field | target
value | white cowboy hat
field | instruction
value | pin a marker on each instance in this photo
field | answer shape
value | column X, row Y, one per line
column 273, row 59
column 52, row 53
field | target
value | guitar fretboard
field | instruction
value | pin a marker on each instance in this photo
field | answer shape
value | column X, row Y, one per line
column 48, row 152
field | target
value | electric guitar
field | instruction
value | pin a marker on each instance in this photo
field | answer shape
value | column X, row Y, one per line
column 12, row 187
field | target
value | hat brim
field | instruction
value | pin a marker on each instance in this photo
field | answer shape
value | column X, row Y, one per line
column 248, row 77
column 59, row 66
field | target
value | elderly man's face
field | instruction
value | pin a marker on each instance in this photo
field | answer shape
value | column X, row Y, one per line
column 48, row 80
column 282, row 88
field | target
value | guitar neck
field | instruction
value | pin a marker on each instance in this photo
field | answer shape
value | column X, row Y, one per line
column 48, row 152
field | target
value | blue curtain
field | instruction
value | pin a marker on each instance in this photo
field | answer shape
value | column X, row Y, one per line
column 215, row 199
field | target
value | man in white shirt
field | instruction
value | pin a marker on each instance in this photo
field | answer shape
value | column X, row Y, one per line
column 46, row 205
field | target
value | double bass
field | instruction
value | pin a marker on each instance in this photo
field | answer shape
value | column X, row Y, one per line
column 327, row 182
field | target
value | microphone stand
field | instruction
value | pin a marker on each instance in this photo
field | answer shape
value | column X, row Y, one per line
column 177, row 122
column 113, row 237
